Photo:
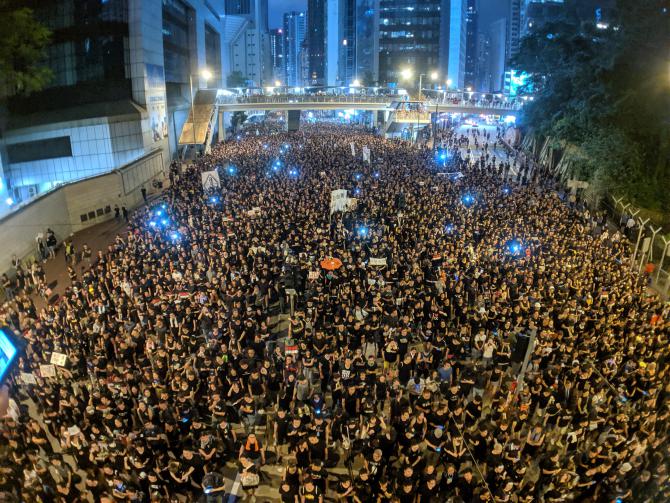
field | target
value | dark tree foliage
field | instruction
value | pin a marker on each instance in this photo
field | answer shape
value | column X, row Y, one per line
column 607, row 93
column 22, row 44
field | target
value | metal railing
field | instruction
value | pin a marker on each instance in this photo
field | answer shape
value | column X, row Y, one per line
column 298, row 98
column 287, row 99
column 455, row 102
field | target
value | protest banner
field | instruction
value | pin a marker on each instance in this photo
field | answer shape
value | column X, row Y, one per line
column 379, row 262
column 210, row 180
column 338, row 200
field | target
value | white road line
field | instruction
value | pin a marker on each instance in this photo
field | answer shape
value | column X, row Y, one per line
column 232, row 498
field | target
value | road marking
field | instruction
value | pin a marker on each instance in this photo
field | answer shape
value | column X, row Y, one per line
column 233, row 491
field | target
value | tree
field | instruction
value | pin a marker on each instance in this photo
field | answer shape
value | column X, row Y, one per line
column 237, row 119
column 22, row 46
column 236, row 79
column 606, row 92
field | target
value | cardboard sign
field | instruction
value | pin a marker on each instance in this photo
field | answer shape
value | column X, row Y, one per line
column 210, row 180
column 378, row 261
column 28, row 378
column 48, row 370
column 313, row 275
column 73, row 430
column 58, row 359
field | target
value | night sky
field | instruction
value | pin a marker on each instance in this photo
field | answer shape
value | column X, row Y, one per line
column 489, row 11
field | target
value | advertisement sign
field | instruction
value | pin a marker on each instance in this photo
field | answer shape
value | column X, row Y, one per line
column 156, row 105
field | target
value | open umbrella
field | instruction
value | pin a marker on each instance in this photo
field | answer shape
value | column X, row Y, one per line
column 331, row 263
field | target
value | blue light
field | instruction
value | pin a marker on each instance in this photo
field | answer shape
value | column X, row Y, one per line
column 159, row 213
column 238, row 136
column 468, row 199
column 505, row 191
column 164, row 221
column 362, row 231
column 231, row 170
column 293, row 172
column 514, row 247
column 152, row 223
column 449, row 228
column 174, row 236
column 265, row 145
column 357, row 191
column 214, row 199
column 376, row 175
column 357, row 176
column 443, row 157
column 164, row 206
column 287, row 146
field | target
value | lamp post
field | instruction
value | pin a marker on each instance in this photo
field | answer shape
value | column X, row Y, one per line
column 205, row 74
column 642, row 223
column 666, row 251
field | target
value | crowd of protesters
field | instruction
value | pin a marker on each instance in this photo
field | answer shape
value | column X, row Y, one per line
column 395, row 379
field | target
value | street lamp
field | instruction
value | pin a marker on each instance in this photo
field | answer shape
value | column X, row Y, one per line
column 356, row 83
column 449, row 82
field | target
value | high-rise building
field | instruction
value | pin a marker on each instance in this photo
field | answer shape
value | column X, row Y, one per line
column 277, row 55
column 294, row 36
column 457, row 42
column 119, row 90
column 497, row 51
column 483, row 80
column 248, row 39
column 367, row 41
column 413, row 35
column 513, row 29
column 352, row 42
column 316, row 41
column 538, row 12
column 471, row 46
column 237, row 7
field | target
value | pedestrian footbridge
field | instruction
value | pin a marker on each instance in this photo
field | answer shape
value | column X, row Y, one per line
column 391, row 106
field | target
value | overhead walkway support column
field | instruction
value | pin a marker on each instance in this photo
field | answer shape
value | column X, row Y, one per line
column 294, row 120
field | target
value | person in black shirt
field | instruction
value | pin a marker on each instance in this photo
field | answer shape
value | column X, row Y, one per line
column 310, row 493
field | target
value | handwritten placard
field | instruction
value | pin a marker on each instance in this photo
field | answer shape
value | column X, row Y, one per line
column 48, row 370
column 58, row 359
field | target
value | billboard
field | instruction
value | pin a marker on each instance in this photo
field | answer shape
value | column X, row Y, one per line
column 156, row 105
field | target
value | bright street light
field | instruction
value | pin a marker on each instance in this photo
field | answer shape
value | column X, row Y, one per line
column 277, row 83
column 206, row 74
column 406, row 73
column 356, row 83
column 449, row 82
column 433, row 75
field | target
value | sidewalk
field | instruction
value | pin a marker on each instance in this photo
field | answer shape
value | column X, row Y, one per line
column 97, row 237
